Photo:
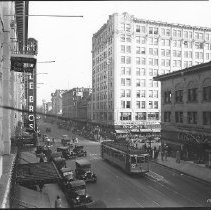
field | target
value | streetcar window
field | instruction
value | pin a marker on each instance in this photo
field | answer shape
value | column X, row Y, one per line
column 133, row 160
column 146, row 159
column 140, row 159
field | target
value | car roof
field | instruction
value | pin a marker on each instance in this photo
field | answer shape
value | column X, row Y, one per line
column 65, row 169
column 77, row 183
column 63, row 147
column 82, row 162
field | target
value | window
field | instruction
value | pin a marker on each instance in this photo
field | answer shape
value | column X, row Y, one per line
column 153, row 115
column 128, row 49
column 179, row 96
column 122, row 38
column 150, row 61
column 122, row 70
column 155, row 93
column 138, row 61
column 206, row 118
column 128, row 104
column 128, row 60
column 122, row 81
column 123, row 104
column 167, row 116
column 151, row 51
column 150, row 83
column 138, row 28
column 143, row 40
column 138, row 50
column 150, row 105
column 138, row 71
column 143, row 93
column 138, row 105
column 179, row 117
column 140, row 115
column 150, row 93
column 122, row 59
column 122, row 93
column 150, row 72
column 138, row 84
column 137, row 39
column 138, row 94
column 128, row 82
column 207, row 93
column 128, row 39
column 128, row 71
column 125, row 115
column 143, row 61
column 167, row 97
column 128, row 93
column 142, row 82
column 155, row 83
column 192, row 95
column 122, row 48
column 192, row 117
column 162, row 31
column 155, row 104
column 143, row 104
column 143, row 72
column 162, row 52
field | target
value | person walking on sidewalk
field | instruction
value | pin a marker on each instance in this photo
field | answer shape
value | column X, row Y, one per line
column 58, row 202
column 178, row 156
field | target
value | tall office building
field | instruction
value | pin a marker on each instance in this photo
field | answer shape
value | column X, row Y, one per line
column 127, row 53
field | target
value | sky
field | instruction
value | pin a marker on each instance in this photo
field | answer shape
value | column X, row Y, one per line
column 68, row 41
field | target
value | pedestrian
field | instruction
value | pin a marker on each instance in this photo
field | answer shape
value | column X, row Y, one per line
column 58, row 202
column 41, row 185
column 165, row 153
column 178, row 156
column 41, row 159
column 162, row 154
column 53, row 140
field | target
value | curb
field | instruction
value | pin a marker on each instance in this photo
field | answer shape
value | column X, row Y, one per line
column 178, row 171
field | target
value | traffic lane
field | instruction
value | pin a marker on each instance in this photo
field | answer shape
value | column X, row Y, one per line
column 118, row 189
column 187, row 186
column 161, row 185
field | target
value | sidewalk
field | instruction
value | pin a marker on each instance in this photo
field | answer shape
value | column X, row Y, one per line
column 50, row 191
column 198, row 171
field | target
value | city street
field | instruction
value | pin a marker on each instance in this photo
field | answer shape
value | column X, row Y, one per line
column 161, row 187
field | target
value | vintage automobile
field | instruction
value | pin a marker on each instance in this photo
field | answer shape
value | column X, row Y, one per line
column 65, row 140
column 66, row 152
column 56, row 158
column 76, row 194
column 79, row 151
column 83, row 171
column 48, row 130
column 67, row 175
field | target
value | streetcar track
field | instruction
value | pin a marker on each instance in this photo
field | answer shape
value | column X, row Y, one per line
column 132, row 185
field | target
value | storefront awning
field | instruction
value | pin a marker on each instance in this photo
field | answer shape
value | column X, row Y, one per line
column 27, row 198
column 36, row 173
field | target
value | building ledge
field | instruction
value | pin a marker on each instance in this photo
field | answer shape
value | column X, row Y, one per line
column 5, row 180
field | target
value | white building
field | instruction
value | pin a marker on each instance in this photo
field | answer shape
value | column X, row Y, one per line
column 127, row 53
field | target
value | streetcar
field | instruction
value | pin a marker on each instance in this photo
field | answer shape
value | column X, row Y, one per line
column 130, row 159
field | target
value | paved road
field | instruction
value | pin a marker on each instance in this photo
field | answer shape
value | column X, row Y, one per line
column 161, row 187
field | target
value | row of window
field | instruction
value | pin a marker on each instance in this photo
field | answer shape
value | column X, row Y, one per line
column 139, row 82
column 155, row 62
column 192, row 117
column 139, row 93
column 139, row 104
column 139, row 116
column 175, row 32
column 192, row 95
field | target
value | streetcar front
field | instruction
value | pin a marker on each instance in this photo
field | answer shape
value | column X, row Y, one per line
column 139, row 163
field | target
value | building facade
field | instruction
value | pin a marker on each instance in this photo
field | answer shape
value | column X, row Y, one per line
column 71, row 105
column 56, row 99
column 127, row 53
column 186, row 111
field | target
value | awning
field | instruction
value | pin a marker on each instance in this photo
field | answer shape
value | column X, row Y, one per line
column 27, row 198
column 36, row 173
column 121, row 131
column 145, row 130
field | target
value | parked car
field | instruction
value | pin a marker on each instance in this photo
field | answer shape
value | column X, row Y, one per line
column 66, row 152
column 79, row 151
column 67, row 175
column 65, row 140
column 83, row 171
column 76, row 194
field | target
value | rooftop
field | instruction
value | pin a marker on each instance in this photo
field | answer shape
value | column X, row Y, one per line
column 190, row 70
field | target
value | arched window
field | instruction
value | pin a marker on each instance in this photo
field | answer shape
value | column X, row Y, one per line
column 192, row 91
column 207, row 89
